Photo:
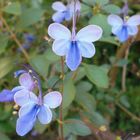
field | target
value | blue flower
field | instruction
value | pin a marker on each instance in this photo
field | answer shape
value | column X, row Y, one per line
column 124, row 28
column 33, row 108
column 29, row 38
column 7, row 95
column 74, row 46
column 26, row 83
column 65, row 12
column 62, row 12
column 19, row 72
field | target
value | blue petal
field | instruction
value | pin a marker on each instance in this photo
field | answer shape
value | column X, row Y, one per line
column 25, row 109
column 89, row 33
column 18, row 73
column 114, row 20
column 58, row 31
column 73, row 57
column 59, row 6
column 26, row 80
column 68, row 15
column 44, row 115
column 53, row 99
column 134, row 20
column 60, row 47
column 123, row 34
column 58, row 17
column 132, row 30
column 87, row 49
column 24, row 96
column 6, row 96
column 26, row 122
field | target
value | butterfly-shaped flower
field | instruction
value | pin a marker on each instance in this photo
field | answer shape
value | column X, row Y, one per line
column 26, row 83
column 62, row 12
column 74, row 46
column 32, row 108
column 124, row 28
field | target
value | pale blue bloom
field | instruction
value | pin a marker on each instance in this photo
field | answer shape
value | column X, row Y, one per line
column 33, row 108
column 65, row 12
column 26, row 82
column 74, row 46
column 124, row 28
column 62, row 12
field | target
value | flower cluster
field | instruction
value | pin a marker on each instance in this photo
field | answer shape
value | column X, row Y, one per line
column 32, row 107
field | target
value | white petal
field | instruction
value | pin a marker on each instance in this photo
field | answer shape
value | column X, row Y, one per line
column 44, row 115
column 58, row 17
column 26, row 80
column 24, row 96
column 132, row 30
column 53, row 99
column 26, row 108
column 89, row 33
column 59, row 31
column 115, row 20
column 87, row 49
column 59, row 6
column 116, row 29
column 60, row 47
column 134, row 20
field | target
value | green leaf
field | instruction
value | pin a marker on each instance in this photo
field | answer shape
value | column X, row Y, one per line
column 30, row 17
column 51, row 56
column 122, row 62
column 76, row 127
column 86, row 100
column 13, row 8
column 97, row 75
column 101, row 20
column 41, row 64
column 124, row 101
column 69, row 93
column 101, row 2
column 98, row 119
column 89, row 2
column 110, row 39
column 85, row 10
column 111, row 8
column 4, row 136
column 84, row 86
column 5, row 66
column 3, row 42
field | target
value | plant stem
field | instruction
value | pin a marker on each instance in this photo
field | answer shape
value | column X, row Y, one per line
column 124, row 71
column 128, row 112
column 61, row 107
column 14, row 37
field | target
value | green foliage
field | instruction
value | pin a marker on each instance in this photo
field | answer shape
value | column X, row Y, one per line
column 97, row 75
column 76, row 127
column 13, row 8
column 87, row 91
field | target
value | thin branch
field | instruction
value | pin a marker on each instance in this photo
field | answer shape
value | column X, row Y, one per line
column 14, row 38
column 61, row 107
column 133, row 116
column 124, row 71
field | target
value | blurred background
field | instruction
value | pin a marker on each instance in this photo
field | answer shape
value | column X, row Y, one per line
column 96, row 104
